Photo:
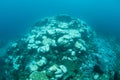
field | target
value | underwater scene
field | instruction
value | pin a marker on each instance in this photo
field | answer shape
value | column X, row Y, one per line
column 60, row 40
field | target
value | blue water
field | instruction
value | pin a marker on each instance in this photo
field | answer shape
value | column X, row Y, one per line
column 16, row 16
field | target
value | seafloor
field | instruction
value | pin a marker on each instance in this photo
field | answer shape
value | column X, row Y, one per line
column 61, row 48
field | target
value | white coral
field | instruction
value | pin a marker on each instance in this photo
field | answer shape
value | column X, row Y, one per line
column 65, row 40
column 59, row 71
column 42, row 61
column 80, row 44
column 43, row 49
column 63, row 25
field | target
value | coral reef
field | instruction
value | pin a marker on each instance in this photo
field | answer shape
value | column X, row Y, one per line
column 60, row 48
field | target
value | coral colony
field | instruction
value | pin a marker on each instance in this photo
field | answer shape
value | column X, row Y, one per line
column 60, row 48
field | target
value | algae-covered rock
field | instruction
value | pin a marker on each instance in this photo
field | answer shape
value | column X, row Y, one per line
column 38, row 76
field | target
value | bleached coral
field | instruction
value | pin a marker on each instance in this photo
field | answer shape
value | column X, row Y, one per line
column 58, row 70
column 59, row 48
